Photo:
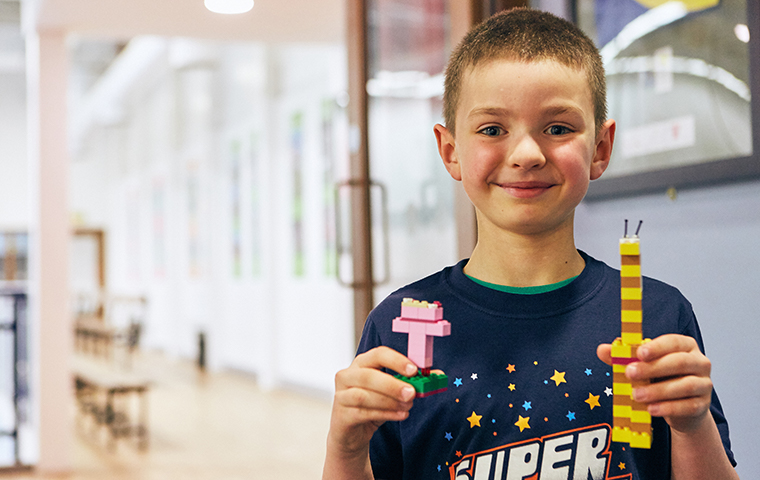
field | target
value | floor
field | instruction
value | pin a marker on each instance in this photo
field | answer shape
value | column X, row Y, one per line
column 217, row 426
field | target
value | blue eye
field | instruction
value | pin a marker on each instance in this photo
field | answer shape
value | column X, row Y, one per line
column 558, row 130
column 491, row 131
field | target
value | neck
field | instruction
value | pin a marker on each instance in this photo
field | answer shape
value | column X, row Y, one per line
column 519, row 260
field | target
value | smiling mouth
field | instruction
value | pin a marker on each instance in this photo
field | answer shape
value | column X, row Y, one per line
column 526, row 189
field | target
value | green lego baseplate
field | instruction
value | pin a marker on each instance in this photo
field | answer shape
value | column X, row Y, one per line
column 427, row 385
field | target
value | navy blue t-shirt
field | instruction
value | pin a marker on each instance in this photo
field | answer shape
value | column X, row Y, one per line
column 527, row 395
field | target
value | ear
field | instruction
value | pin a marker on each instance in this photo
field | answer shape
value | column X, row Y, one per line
column 447, row 151
column 603, row 150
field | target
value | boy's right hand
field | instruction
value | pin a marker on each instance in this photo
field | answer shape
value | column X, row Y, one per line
column 365, row 398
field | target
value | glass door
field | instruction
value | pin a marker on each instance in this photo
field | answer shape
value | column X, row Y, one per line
column 413, row 228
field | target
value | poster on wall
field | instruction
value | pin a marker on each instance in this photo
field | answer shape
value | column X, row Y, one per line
column 235, row 206
column 297, row 165
column 679, row 89
column 256, row 175
column 329, row 112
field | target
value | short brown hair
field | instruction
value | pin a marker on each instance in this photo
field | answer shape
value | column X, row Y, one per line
column 524, row 34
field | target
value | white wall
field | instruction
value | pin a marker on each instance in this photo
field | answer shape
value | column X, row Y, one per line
column 706, row 244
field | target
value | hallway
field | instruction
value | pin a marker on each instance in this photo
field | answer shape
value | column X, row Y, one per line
column 210, row 427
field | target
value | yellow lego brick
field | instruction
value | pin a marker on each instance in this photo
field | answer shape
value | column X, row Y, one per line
column 623, row 411
column 621, row 435
column 640, row 440
column 621, row 351
column 617, row 368
column 622, row 389
column 632, row 338
column 631, row 316
column 630, row 294
column 640, row 416
column 629, row 246
column 630, row 271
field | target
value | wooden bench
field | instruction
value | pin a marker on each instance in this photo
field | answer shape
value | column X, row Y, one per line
column 112, row 400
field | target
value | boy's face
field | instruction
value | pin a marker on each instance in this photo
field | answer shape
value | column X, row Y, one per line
column 525, row 147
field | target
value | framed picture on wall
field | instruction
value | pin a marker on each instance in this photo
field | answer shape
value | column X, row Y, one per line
column 683, row 84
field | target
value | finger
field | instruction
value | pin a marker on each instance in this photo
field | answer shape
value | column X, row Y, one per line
column 604, row 352
column 362, row 399
column 384, row 357
column 374, row 381
column 677, row 389
column 677, row 364
column 664, row 345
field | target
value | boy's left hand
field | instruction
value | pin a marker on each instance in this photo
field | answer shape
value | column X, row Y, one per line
column 680, row 388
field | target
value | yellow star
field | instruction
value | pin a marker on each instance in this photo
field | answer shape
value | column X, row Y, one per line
column 512, row 387
column 474, row 419
column 558, row 377
column 621, row 466
column 593, row 401
column 511, row 368
column 522, row 422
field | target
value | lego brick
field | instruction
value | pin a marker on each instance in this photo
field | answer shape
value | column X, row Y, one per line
column 630, row 294
column 630, row 282
column 621, row 435
column 426, row 385
column 401, row 325
column 641, row 416
column 632, row 316
column 640, row 440
column 630, row 246
column 632, row 338
column 622, row 389
column 630, row 270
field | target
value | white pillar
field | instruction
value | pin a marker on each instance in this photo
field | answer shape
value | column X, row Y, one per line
column 50, row 323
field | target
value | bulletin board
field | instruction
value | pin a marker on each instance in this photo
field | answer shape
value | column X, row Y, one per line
column 683, row 85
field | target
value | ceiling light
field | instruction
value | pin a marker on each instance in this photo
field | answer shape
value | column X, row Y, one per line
column 229, row 6
column 742, row 32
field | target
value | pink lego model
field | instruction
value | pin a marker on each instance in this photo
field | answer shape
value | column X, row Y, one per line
column 423, row 321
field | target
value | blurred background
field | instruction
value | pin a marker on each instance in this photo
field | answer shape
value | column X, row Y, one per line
column 198, row 210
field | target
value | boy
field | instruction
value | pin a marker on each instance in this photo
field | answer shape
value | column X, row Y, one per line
column 531, row 316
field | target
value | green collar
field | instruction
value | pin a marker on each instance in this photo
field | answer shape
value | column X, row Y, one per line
column 523, row 290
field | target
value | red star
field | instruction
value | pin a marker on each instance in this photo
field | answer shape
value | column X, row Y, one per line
column 459, row 454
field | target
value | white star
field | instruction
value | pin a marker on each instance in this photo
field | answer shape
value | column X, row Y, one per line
column 474, row 376
column 608, row 391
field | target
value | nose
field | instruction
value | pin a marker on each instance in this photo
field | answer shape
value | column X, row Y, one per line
column 527, row 154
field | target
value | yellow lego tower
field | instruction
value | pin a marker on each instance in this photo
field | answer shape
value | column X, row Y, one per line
column 631, row 422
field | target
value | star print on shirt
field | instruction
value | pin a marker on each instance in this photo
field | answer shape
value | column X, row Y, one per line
column 570, row 416
column 511, row 368
column 458, row 382
column 527, row 405
column 608, row 391
column 588, row 372
column 448, row 436
column 474, row 376
column 474, row 419
column 593, row 401
column 558, row 377
column 522, row 422
column 511, row 387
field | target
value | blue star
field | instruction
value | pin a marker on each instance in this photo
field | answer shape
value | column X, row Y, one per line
column 546, row 382
column 458, row 382
column 493, row 420
column 588, row 371
column 489, row 395
column 608, row 374
column 570, row 416
column 439, row 468
column 448, row 436
column 527, row 405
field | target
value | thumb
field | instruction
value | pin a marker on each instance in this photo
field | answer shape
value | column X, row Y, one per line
column 604, row 352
